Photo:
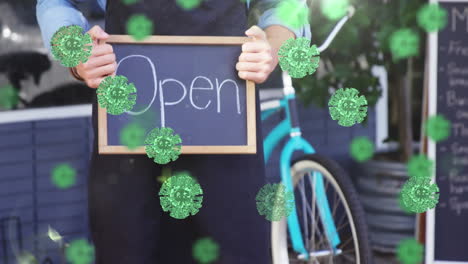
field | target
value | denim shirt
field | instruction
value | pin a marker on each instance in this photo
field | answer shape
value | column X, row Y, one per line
column 53, row 14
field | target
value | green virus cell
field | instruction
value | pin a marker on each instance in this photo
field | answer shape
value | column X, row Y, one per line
column 404, row 43
column 166, row 174
column 205, row 250
column 409, row 251
column 130, row 2
column 188, row 4
column 140, row 27
column 63, row 176
column 298, row 58
column 361, row 149
column 70, row 46
column 181, row 195
column 132, row 136
column 419, row 195
column 437, row 128
column 80, row 252
column 25, row 257
column 274, row 201
column 163, row 145
column 292, row 13
column 116, row 95
column 334, row 9
column 432, row 17
column 419, row 166
column 402, row 205
column 147, row 118
column 348, row 107
column 8, row 97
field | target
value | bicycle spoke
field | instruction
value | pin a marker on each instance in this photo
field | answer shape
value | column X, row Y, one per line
column 326, row 185
column 316, row 221
column 340, row 227
column 304, row 216
column 320, row 234
column 343, row 245
column 335, row 198
column 339, row 223
column 349, row 255
column 314, row 200
column 323, row 240
column 313, row 216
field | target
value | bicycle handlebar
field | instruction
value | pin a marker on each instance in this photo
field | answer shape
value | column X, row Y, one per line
column 287, row 81
column 337, row 28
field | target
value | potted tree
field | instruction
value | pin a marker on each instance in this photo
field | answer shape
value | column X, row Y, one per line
column 382, row 32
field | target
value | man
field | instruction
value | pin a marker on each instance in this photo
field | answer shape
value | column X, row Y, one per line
column 126, row 221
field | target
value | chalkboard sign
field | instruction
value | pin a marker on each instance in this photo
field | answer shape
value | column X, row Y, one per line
column 447, row 224
column 189, row 84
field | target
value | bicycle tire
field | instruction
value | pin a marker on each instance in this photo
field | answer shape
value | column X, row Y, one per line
column 340, row 180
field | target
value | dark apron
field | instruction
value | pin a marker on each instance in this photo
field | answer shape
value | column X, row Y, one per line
column 127, row 223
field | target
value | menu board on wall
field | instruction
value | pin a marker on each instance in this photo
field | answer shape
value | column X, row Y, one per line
column 447, row 224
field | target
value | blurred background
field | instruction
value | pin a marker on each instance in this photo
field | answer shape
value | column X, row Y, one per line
column 39, row 219
column 35, row 214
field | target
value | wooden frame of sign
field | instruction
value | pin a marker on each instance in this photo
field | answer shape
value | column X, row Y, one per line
column 250, row 148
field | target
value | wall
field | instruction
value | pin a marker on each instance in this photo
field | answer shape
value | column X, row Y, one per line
column 28, row 152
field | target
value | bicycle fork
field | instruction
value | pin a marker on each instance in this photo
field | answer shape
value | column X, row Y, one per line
column 298, row 143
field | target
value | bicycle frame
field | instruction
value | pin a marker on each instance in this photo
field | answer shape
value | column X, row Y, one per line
column 290, row 125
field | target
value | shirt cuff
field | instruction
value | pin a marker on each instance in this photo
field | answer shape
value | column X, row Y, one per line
column 50, row 19
column 269, row 18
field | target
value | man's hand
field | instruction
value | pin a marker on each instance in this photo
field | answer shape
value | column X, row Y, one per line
column 256, row 60
column 101, row 63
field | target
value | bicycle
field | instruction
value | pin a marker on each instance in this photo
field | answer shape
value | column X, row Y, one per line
column 318, row 180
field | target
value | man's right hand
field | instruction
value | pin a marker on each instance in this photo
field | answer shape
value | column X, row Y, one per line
column 102, row 61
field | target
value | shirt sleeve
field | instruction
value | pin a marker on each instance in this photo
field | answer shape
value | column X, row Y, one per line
column 53, row 14
column 269, row 18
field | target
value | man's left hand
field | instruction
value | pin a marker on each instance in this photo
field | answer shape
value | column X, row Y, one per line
column 256, row 60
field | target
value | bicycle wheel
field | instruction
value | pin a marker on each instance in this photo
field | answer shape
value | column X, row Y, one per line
column 347, row 214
